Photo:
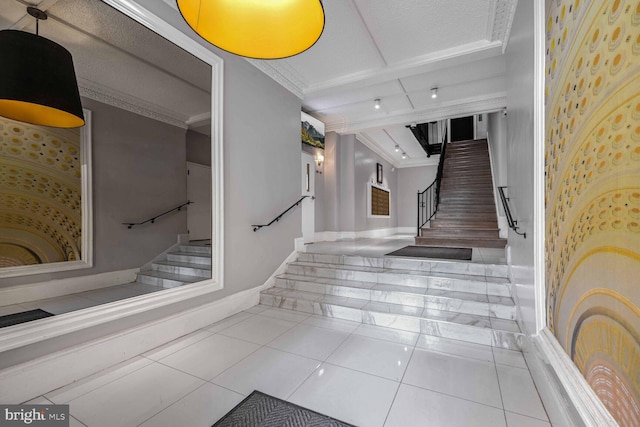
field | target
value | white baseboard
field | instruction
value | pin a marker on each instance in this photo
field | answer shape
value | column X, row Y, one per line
column 567, row 397
column 33, row 378
column 55, row 288
column 503, row 226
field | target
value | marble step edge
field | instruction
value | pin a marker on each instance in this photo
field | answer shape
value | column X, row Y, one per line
column 186, row 269
column 435, row 327
column 421, row 279
column 196, row 249
column 462, row 302
column 424, row 265
column 192, row 258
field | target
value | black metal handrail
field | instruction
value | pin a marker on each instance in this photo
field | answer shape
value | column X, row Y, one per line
column 428, row 199
column 153, row 220
column 513, row 224
column 276, row 219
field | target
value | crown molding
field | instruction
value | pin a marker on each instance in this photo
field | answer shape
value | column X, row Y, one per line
column 282, row 73
column 105, row 95
column 505, row 11
column 403, row 163
column 440, row 112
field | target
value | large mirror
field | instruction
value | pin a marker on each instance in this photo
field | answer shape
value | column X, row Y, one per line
column 129, row 78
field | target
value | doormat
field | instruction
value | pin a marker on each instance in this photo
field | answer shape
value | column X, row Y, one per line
column 262, row 410
column 25, row 316
column 463, row 254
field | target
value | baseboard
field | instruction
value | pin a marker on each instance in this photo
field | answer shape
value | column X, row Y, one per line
column 55, row 288
column 503, row 226
column 271, row 280
column 28, row 380
column 567, row 397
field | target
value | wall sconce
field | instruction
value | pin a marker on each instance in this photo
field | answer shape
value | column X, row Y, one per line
column 319, row 160
column 37, row 79
column 256, row 29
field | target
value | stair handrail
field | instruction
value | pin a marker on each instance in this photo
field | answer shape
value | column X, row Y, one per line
column 257, row 227
column 428, row 199
column 153, row 219
column 513, row 224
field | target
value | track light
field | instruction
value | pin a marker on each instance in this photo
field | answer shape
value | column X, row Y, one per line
column 404, row 155
column 397, row 148
column 376, row 104
column 434, row 92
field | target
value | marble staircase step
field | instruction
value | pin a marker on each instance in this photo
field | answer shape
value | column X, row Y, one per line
column 190, row 257
column 182, row 268
column 449, row 324
column 463, row 302
column 460, row 242
column 446, row 232
column 422, row 265
column 165, row 280
column 196, row 248
column 419, row 279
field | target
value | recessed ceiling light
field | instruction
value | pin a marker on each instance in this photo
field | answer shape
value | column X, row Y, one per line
column 404, row 155
column 376, row 104
column 434, row 92
column 397, row 148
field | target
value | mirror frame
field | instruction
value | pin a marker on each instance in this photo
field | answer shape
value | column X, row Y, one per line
column 86, row 260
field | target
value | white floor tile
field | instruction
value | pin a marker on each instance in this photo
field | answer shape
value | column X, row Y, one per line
column 331, row 323
column 256, row 309
column 114, row 293
column 387, row 334
column 517, row 420
column 459, row 348
column 60, row 305
column 373, row 356
column 309, row 341
column 210, row 356
column 85, row 385
column 280, row 313
column 134, row 398
column 509, row 357
column 6, row 310
column 454, row 375
column 229, row 321
column 270, row 371
column 417, row 407
column 41, row 400
column 347, row 395
column 203, row 407
column 258, row 329
column 519, row 394
column 176, row 345
column 75, row 423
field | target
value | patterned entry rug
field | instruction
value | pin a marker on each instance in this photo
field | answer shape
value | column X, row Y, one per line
column 463, row 254
column 25, row 316
column 262, row 410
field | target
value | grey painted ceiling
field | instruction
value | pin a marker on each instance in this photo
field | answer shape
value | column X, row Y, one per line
column 392, row 50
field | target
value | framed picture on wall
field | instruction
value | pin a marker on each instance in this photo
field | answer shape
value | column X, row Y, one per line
column 378, row 173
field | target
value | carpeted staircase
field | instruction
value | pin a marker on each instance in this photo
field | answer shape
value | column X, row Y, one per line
column 451, row 299
column 466, row 215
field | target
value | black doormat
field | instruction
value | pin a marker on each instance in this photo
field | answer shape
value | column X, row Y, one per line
column 433, row 252
column 25, row 316
column 262, row 410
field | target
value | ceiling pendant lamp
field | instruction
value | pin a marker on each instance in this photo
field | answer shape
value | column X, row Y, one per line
column 261, row 29
column 37, row 80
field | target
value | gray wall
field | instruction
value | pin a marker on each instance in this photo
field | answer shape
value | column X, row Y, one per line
column 198, row 148
column 139, row 170
column 262, row 175
column 410, row 181
column 520, row 117
column 365, row 172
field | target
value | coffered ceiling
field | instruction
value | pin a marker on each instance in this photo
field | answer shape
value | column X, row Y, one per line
column 392, row 50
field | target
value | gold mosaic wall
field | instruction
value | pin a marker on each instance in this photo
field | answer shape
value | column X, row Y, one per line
column 592, row 158
column 40, row 194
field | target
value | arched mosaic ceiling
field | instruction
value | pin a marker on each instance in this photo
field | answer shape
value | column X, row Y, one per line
column 40, row 194
column 593, row 194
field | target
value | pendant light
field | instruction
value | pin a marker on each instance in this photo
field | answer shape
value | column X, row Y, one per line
column 261, row 29
column 37, row 79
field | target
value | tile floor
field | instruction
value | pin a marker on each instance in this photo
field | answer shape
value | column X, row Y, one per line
column 365, row 375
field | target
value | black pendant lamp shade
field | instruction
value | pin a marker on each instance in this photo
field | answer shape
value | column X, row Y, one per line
column 37, row 81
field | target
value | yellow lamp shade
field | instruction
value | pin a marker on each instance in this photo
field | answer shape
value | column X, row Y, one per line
column 262, row 29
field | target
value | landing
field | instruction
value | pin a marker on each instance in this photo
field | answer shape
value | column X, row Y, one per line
column 378, row 247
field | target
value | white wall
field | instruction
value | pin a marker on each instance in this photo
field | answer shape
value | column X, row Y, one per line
column 410, row 182
column 520, row 154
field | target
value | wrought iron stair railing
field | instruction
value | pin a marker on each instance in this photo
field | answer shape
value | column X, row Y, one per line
column 428, row 199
